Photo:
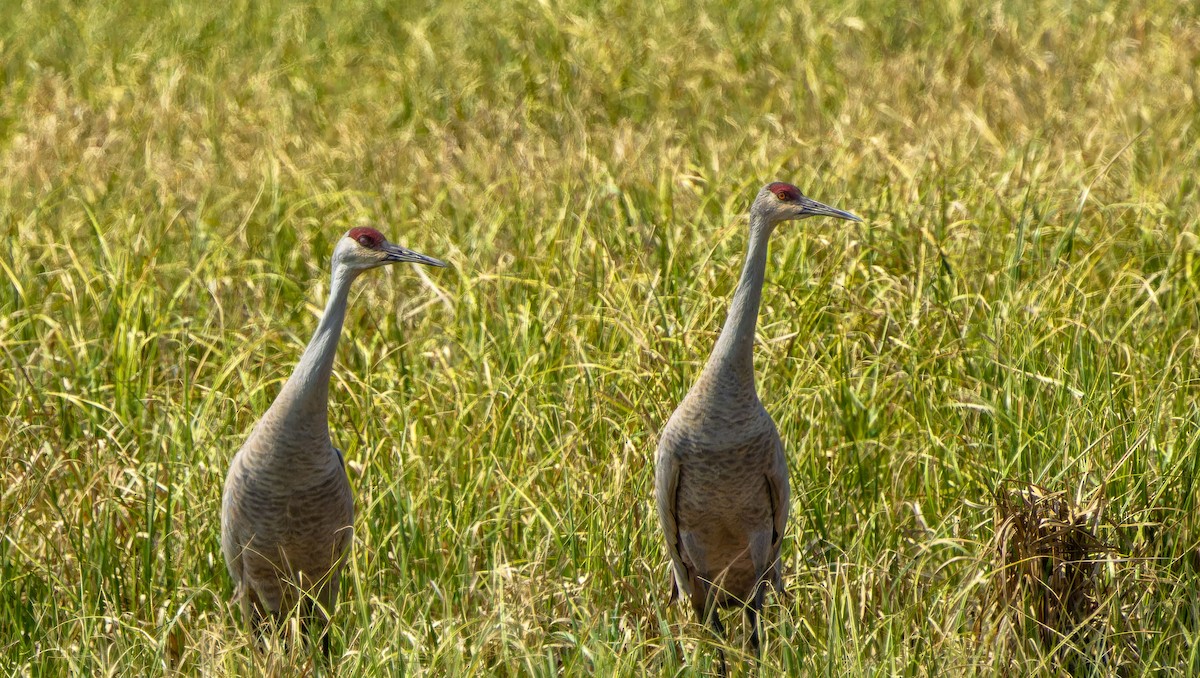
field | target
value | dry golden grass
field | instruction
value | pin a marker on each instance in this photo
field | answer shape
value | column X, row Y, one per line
column 1021, row 304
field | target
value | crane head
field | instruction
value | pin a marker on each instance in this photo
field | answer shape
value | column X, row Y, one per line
column 364, row 248
column 779, row 201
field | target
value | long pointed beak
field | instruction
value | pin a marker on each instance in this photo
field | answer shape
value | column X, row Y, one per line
column 396, row 253
column 812, row 208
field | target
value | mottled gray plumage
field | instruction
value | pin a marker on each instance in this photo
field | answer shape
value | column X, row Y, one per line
column 721, row 481
column 287, row 513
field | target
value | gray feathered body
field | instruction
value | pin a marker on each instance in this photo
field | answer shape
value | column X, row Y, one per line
column 723, row 495
column 287, row 513
column 286, row 518
column 720, row 476
column 721, row 482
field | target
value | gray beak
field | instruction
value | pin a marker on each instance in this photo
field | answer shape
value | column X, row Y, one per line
column 396, row 253
column 812, row 208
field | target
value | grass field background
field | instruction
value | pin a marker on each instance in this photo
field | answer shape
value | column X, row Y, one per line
column 1021, row 305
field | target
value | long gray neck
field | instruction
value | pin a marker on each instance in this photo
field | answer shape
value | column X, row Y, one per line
column 732, row 359
column 305, row 396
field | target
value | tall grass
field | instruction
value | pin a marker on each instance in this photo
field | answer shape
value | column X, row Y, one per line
column 1021, row 305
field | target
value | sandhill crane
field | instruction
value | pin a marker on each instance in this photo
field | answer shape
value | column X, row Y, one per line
column 287, row 512
column 721, row 481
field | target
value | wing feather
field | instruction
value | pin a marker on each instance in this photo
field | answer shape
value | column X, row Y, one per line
column 666, row 494
column 780, row 491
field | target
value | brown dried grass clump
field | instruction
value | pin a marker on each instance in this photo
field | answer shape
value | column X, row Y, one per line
column 1049, row 550
column 1053, row 578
